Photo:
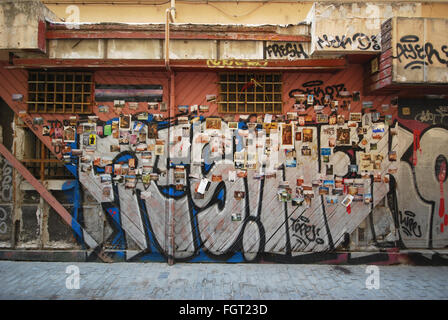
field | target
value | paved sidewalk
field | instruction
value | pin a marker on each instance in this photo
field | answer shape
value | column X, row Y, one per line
column 47, row 280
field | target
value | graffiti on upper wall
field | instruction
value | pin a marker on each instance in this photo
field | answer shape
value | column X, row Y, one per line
column 319, row 91
column 359, row 41
column 287, row 50
column 409, row 50
column 433, row 113
column 230, row 63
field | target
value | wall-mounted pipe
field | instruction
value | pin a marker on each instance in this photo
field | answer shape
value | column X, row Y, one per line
column 170, row 15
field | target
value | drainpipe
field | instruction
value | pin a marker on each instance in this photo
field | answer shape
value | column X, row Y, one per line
column 170, row 204
column 170, row 15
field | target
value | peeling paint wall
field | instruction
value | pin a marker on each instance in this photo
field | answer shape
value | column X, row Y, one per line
column 22, row 24
column 353, row 27
column 179, row 49
column 223, row 13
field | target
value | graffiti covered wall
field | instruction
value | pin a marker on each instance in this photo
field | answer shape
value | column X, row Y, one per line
column 201, row 186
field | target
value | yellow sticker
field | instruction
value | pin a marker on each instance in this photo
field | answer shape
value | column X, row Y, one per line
column 406, row 111
column 92, row 139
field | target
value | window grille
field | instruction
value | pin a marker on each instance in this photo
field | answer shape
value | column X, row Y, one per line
column 60, row 92
column 250, row 92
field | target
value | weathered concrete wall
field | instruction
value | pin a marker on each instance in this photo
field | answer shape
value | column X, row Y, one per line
column 230, row 12
column 419, row 50
column 222, row 13
column 353, row 27
column 179, row 49
column 22, row 24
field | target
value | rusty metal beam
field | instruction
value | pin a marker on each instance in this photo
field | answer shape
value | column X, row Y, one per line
column 189, row 27
column 210, row 64
column 179, row 35
column 178, row 31
column 51, row 200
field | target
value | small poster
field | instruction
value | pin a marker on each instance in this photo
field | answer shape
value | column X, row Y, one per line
column 322, row 118
column 202, row 186
column 310, row 99
column 325, row 151
column 213, row 124
column 125, row 122
column 307, row 135
column 343, row 136
column 267, row 118
column 92, row 140
column 159, row 149
column 367, row 104
column 347, row 200
column 306, row 151
column 332, row 120
column 210, row 97
column 287, row 135
column 69, row 134
column 133, row 105
column 239, row 195
column 107, row 131
column 152, row 131
column 355, row 116
column 236, row 216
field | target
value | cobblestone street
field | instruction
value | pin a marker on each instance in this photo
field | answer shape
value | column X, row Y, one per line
column 43, row 280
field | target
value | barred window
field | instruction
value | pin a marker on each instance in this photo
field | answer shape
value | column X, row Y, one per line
column 60, row 92
column 247, row 92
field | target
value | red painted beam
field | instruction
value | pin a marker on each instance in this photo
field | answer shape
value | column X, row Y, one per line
column 41, row 35
column 287, row 65
column 179, row 35
column 51, row 200
column 381, row 84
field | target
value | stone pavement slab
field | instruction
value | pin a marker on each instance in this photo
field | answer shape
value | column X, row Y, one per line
column 196, row 281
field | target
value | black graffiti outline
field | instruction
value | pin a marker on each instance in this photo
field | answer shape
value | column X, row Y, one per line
column 364, row 41
column 406, row 157
column 409, row 50
column 315, row 87
column 301, row 227
column 288, row 50
column 237, row 245
column 409, row 225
